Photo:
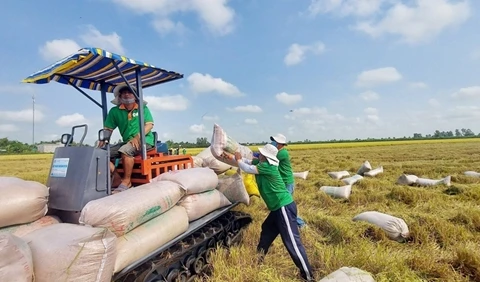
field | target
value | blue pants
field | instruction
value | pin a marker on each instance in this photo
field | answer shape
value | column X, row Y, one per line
column 283, row 222
column 291, row 188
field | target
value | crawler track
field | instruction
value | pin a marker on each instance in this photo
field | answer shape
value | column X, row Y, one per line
column 190, row 257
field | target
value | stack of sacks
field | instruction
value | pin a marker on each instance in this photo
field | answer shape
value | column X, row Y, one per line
column 410, row 179
column 16, row 262
column 366, row 170
column 23, row 206
column 248, row 180
column 221, row 142
column 199, row 184
column 143, row 218
column 71, row 252
column 206, row 159
column 233, row 187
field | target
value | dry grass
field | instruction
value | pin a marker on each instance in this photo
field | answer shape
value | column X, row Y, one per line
column 444, row 221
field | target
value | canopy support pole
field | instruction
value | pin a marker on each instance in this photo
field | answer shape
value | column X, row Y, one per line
column 141, row 117
column 85, row 94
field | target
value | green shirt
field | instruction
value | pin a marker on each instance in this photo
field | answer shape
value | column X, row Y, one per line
column 285, row 166
column 127, row 122
column 271, row 187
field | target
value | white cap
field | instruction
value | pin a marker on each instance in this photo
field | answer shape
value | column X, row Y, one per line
column 116, row 93
column 279, row 138
column 270, row 152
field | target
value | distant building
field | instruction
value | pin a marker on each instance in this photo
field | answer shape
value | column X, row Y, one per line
column 48, row 148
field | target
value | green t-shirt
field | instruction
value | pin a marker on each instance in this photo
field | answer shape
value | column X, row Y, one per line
column 285, row 166
column 271, row 187
column 127, row 122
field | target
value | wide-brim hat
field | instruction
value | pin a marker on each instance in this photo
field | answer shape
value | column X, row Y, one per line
column 120, row 88
column 270, row 152
column 279, row 138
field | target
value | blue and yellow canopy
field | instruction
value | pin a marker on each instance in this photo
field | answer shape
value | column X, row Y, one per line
column 90, row 67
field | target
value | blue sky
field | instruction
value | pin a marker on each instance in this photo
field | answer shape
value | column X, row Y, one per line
column 318, row 70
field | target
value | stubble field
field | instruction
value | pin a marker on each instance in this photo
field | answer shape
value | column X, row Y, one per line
column 444, row 222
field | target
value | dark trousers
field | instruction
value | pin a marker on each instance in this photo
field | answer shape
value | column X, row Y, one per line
column 284, row 222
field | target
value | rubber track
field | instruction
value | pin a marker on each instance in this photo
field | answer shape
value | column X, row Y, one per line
column 189, row 258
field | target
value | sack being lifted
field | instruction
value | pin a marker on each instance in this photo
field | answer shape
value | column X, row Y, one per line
column 208, row 160
column 221, row 142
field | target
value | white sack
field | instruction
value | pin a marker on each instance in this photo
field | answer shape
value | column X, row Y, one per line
column 208, row 160
column 150, row 236
column 23, row 229
column 352, row 179
column 221, row 142
column 406, row 179
column 472, row 174
column 303, row 175
column 122, row 212
column 22, row 201
column 197, row 161
column 395, row 227
column 374, row 172
column 16, row 263
column 432, row 182
column 198, row 205
column 338, row 174
column 338, row 192
column 69, row 252
column 348, row 274
column 194, row 180
column 366, row 166
column 233, row 188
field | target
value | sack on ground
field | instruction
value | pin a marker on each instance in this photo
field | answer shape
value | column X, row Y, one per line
column 122, row 212
column 22, row 201
column 221, row 142
column 374, row 172
column 21, row 230
column 472, row 174
column 193, row 180
column 198, row 205
column 366, row 166
column 338, row 174
column 406, row 179
column 348, row 274
column 233, row 188
column 352, row 179
column 303, row 175
column 150, row 236
column 69, row 252
column 337, row 192
column 433, row 182
column 16, row 263
column 395, row 228
column 208, row 160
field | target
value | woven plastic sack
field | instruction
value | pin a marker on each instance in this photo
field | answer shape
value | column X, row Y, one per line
column 201, row 204
column 208, row 160
column 16, row 263
column 21, row 201
column 23, row 229
column 342, row 192
column 395, row 228
column 366, row 166
column 71, row 253
column 472, row 174
column 433, row 182
column 194, row 180
column 248, row 180
column 221, row 142
column 122, row 212
column 406, row 179
column 303, row 175
column 374, row 172
column 233, row 188
column 352, row 179
column 348, row 274
column 150, row 236
column 338, row 174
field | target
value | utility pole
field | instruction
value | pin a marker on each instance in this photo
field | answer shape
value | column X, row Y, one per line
column 33, row 120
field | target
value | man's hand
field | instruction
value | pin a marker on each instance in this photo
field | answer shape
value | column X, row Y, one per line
column 226, row 155
column 135, row 142
column 238, row 156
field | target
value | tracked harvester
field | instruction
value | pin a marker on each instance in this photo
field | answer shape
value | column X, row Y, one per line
column 80, row 174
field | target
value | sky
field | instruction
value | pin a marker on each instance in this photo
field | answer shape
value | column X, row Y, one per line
column 309, row 69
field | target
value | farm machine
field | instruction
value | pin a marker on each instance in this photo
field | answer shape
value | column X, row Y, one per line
column 81, row 173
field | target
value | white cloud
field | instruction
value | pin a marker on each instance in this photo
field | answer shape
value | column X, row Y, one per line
column 297, row 53
column 5, row 128
column 251, row 121
column 167, row 103
column 246, row 109
column 463, row 113
column 288, row 99
column 369, row 95
column 204, row 83
column 71, row 120
column 216, row 15
column 210, row 118
column 378, row 76
column 467, row 93
column 60, row 48
column 165, row 26
column 418, row 85
column 371, row 111
column 418, row 23
column 16, row 89
column 22, row 116
column 434, row 103
column 197, row 128
column 345, row 7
